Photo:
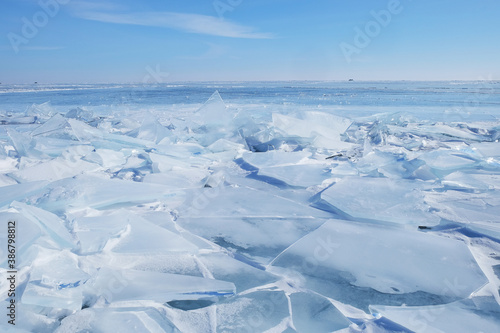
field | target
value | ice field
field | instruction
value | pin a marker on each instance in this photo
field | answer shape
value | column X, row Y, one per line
column 252, row 207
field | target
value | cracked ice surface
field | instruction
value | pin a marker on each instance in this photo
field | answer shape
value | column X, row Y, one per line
column 313, row 211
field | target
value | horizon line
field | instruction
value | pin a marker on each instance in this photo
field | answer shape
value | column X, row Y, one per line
column 245, row 81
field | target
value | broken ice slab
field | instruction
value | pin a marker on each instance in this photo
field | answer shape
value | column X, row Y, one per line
column 164, row 163
column 184, row 171
column 262, row 137
column 226, row 268
column 258, row 311
column 445, row 161
column 361, row 264
column 88, row 191
column 196, row 320
column 342, row 169
column 7, row 164
column 487, row 149
column 136, row 159
column 381, row 324
column 11, row 193
column 393, row 200
column 388, row 164
column 107, row 158
column 323, row 128
column 123, row 232
column 86, row 133
column 446, row 131
column 312, row 122
column 27, row 233
column 292, row 168
column 257, row 223
column 313, row 313
column 224, row 150
column 303, row 175
column 178, row 179
column 276, row 158
column 80, row 114
column 213, row 121
column 56, row 123
column 104, row 320
column 16, row 119
column 30, row 319
column 116, row 159
column 223, row 145
column 264, row 244
column 242, row 201
column 485, row 228
column 43, row 111
column 207, row 137
column 55, row 169
column 173, row 263
column 438, row 131
column 179, row 150
column 214, row 113
column 24, row 144
column 48, row 223
column 259, row 238
column 39, row 294
column 93, row 233
column 466, row 207
column 462, row 316
column 152, row 130
column 55, row 145
column 55, row 281
column 116, row 285
column 472, row 181
column 215, row 179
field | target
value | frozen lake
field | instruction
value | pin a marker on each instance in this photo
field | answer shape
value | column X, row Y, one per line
column 252, row 206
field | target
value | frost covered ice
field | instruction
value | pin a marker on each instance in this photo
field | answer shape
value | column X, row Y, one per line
column 251, row 214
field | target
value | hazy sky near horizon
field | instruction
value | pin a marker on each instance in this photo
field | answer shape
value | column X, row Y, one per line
column 112, row 41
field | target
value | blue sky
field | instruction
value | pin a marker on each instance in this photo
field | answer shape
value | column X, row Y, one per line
column 111, row 41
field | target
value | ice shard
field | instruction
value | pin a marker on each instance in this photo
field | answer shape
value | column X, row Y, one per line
column 48, row 222
column 313, row 313
column 80, row 114
column 28, row 233
column 118, row 320
column 56, row 281
column 463, row 316
column 99, row 193
column 386, row 259
column 21, row 191
column 152, row 130
column 214, row 112
column 56, row 123
column 323, row 129
column 132, row 285
column 257, row 311
column 55, row 169
column 393, row 200
column 24, row 144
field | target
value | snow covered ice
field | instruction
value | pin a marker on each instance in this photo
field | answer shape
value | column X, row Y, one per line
column 259, row 207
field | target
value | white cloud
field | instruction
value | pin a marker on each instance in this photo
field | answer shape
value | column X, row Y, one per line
column 193, row 23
